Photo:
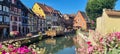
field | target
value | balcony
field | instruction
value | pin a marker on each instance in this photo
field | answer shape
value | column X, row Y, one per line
column 12, row 12
column 4, row 13
column 25, row 17
column 4, row 23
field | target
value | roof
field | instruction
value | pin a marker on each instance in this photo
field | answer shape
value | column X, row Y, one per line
column 110, row 12
column 85, row 16
column 46, row 8
column 70, row 16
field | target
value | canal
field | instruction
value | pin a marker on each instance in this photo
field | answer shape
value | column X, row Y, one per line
column 56, row 45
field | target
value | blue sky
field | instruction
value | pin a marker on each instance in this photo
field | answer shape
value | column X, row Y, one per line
column 64, row 6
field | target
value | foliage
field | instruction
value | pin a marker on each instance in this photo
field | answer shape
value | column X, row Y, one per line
column 40, row 35
column 77, row 31
column 94, row 7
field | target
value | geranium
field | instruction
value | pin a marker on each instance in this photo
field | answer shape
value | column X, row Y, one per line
column 89, row 43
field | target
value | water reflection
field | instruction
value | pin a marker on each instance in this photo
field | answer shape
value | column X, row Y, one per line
column 57, row 45
column 50, row 41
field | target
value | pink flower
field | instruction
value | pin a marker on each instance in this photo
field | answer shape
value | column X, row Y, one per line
column 92, row 22
column 90, row 49
column 80, row 49
column 3, row 52
column 10, row 46
column 110, row 38
column 23, row 50
column 15, row 50
column 34, row 52
column 117, row 34
column 101, row 39
column 0, row 45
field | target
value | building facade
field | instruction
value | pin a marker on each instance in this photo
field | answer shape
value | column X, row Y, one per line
column 108, row 22
column 80, row 21
column 15, row 15
column 68, row 21
column 4, row 18
column 48, row 14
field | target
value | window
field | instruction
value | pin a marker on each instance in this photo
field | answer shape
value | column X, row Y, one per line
column 0, row 7
column 15, row 18
column 19, row 10
column 11, row 18
column 1, row 18
column 1, row 0
column 12, row 8
column 4, row 8
column 9, row 0
column 14, row 28
column 13, row 1
column 20, row 19
column 7, row 9
column 15, row 9
column 6, row 19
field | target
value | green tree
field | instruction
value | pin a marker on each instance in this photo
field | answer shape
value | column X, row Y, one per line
column 94, row 7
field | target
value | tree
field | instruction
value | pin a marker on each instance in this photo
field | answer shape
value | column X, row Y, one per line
column 94, row 7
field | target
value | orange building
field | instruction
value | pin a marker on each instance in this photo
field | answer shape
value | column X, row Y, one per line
column 80, row 21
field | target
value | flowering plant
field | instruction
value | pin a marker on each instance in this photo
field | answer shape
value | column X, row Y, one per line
column 10, row 49
column 14, row 33
column 109, row 44
column 29, row 34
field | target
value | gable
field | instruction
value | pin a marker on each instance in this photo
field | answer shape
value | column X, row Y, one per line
column 79, row 16
column 38, row 10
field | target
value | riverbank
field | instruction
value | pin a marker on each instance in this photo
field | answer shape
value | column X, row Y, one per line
column 35, row 41
column 28, row 40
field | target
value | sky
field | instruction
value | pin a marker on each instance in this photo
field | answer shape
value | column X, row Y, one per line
column 65, row 6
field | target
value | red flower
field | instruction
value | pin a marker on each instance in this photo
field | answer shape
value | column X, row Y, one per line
column 89, row 43
column 101, row 39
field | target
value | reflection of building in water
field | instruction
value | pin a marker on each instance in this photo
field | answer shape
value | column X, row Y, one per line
column 50, row 41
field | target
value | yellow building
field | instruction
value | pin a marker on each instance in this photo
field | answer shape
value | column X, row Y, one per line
column 109, row 22
column 37, row 9
column 49, row 15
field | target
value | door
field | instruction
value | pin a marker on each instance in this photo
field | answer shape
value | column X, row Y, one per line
column 1, row 33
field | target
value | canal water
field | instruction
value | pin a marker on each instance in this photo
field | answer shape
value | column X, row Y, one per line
column 57, row 45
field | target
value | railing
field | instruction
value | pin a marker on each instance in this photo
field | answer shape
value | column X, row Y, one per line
column 12, row 12
column 25, row 17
